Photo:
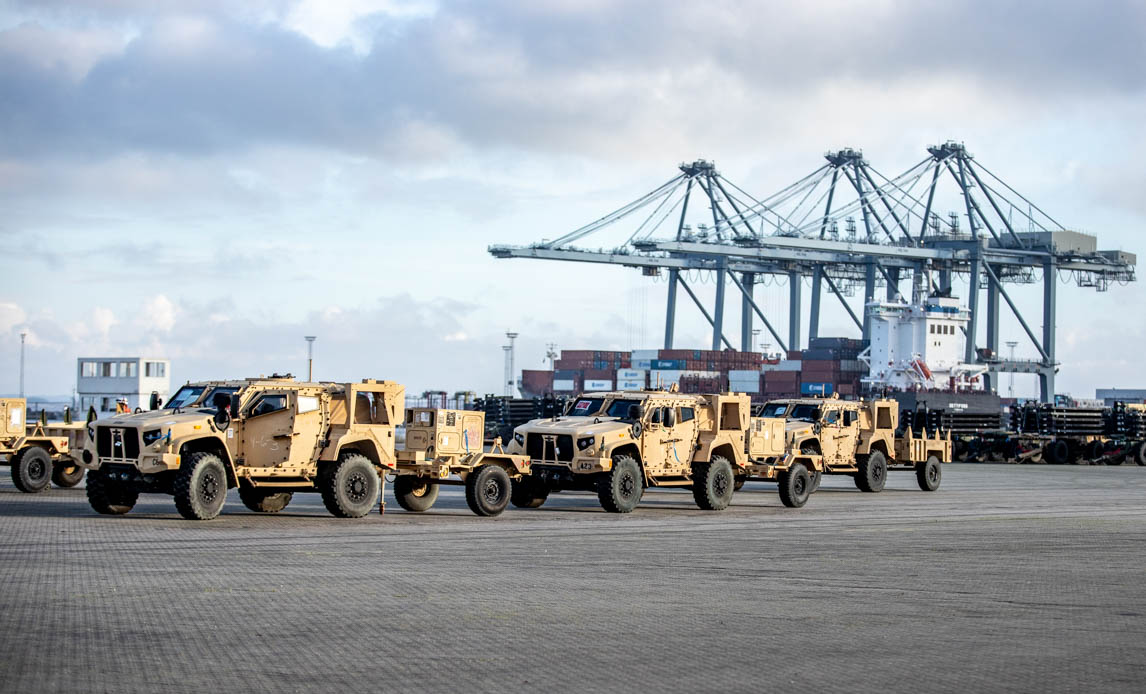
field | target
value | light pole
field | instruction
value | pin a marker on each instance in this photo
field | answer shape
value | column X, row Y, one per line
column 23, row 336
column 310, row 357
column 1011, row 344
column 509, row 385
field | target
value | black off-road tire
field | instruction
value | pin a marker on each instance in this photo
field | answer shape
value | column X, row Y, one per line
column 1057, row 452
column 108, row 497
column 817, row 475
column 200, row 486
column 263, row 500
column 528, row 492
column 66, row 474
column 713, row 483
column 351, row 486
column 795, row 485
column 32, row 470
column 929, row 474
column 488, row 490
column 1139, row 454
column 872, row 473
column 415, row 494
column 620, row 489
column 740, row 480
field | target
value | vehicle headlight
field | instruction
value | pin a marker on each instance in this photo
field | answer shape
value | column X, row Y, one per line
column 586, row 442
column 151, row 436
column 519, row 438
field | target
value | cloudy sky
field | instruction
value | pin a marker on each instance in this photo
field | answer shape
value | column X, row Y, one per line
column 209, row 181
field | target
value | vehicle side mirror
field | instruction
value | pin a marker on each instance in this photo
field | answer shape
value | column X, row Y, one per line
column 670, row 417
column 634, row 412
column 234, row 405
column 154, row 404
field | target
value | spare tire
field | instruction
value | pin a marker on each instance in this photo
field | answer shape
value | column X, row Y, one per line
column 1057, row 452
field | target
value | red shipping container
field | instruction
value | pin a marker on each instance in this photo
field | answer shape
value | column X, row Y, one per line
column 599, row 374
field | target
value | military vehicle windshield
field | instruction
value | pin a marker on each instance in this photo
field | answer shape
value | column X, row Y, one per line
column 774, row 409
column 808, row 413
column 184, row 397
column 585, row 407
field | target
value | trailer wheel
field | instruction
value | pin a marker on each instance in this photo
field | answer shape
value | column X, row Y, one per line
column 66, row 474
column 1057, row 452
column 713, row 483
column 107, row 497
column 620, row 489
column 262, row 500
column 415, row 494
column 817, row 475
column 872, row 473
column 1140, row 452
column 929, row 474
column 795, row 486
column 1094, row 451
column 739, row 483
column 200, row 486
column 351, row 486
column 528, row 492
column 32, row 470
column 487, row 490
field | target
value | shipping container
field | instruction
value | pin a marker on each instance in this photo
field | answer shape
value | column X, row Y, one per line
column 645, row 354
column 630, row 375
column 576, row 354
column 753, row 375
column 566, row 374
column 670, row 364
column 824, row 389
column 630, row 385
column 592, row 386
column 643, row 364
column 599, row 374
column 564, row 386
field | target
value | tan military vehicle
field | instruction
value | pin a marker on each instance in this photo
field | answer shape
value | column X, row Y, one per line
column 860, row 439
column 441, row 444
column 38, row 452
column 619, row 443
column 269, row 437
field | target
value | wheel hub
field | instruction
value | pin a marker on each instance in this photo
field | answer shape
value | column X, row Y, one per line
column 492, row 491
column 37, row 470
column 799, row 485
column 209, row 488
column 720, row 484
column 628, row 486
column 356, row 487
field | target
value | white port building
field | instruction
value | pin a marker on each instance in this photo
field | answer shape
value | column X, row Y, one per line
column 101, row 381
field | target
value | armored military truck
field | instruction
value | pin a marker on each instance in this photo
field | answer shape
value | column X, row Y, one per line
column 269, row 437
column 40, row 452
column 442, row 444
column 619, row 443
column 860, row 439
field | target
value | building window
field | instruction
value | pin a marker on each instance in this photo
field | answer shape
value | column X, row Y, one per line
column 155, row 369
column 128, row 369
column 105, row 404
column 88, row 369
column 107, row 369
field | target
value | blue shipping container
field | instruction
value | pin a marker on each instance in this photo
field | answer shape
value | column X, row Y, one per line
column 815, row 388
column 670, row 364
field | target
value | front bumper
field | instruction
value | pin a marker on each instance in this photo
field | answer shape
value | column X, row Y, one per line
column 147, row 464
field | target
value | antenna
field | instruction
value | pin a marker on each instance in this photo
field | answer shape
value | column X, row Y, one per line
column 310, row 357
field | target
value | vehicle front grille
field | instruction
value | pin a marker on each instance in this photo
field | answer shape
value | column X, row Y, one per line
column 117, row 442
column 542, row 447
column 534, row 446
column 565, row 448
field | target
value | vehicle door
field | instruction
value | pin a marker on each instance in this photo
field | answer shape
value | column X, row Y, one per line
column 280, row 428
column 831, row 435
column 681, row 438
column 654, row 439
